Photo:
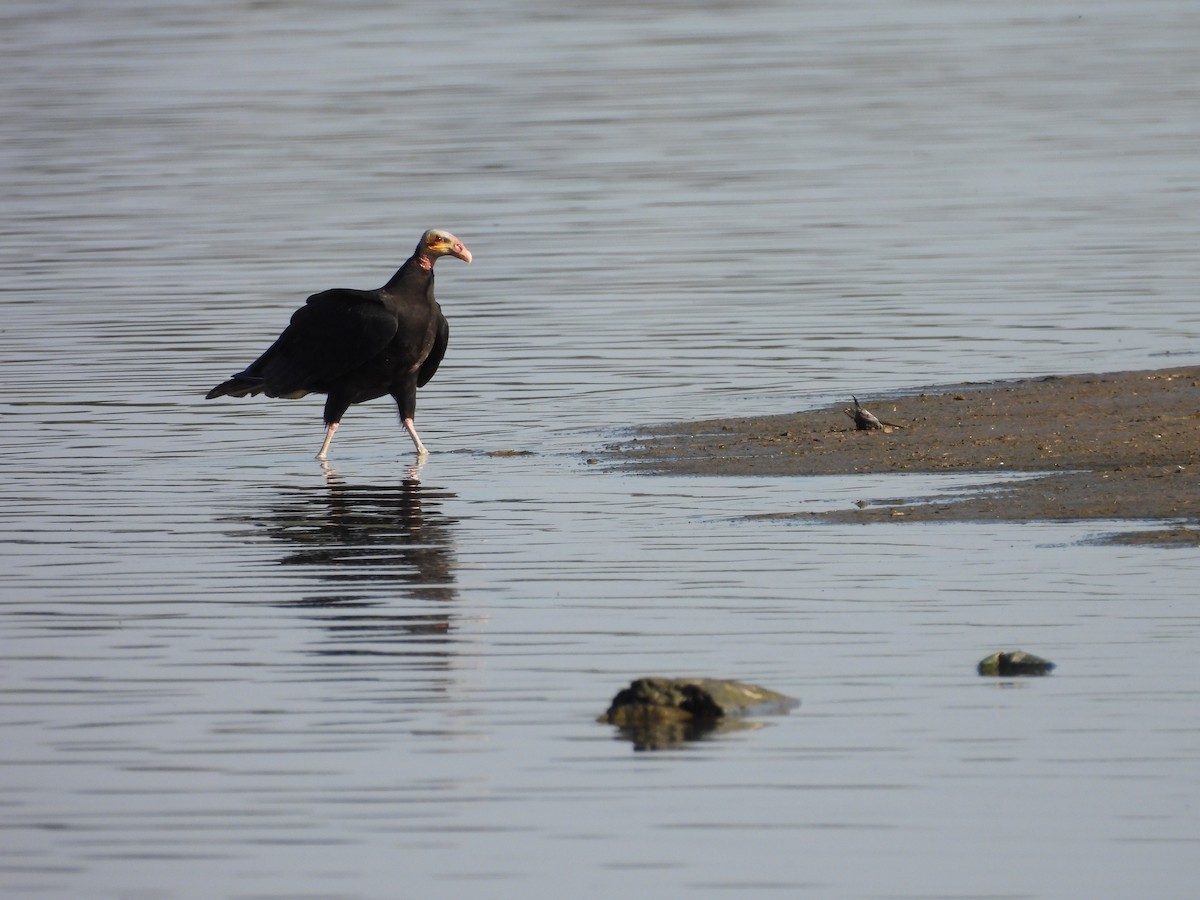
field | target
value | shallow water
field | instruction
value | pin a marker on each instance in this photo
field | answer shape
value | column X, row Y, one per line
column 230, row 672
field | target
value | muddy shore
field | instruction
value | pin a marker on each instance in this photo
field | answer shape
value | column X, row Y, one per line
column 1122, row 445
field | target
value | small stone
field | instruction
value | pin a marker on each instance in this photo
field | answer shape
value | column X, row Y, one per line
column 1006, row 663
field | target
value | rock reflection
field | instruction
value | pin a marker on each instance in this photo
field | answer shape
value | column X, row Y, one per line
column 670, row 733
column 384, row 546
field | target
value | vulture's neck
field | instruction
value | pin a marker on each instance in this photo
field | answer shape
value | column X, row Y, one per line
column 418, row 270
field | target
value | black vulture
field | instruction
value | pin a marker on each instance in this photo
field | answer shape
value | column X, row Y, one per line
column 356, row 345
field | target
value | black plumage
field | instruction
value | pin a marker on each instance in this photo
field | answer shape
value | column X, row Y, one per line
column 357, row 345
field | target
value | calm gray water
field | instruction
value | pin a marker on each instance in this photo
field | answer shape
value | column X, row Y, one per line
column 228, row 672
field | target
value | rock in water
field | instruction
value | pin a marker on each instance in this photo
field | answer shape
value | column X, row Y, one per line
column 1014, row 662
column 656, row 713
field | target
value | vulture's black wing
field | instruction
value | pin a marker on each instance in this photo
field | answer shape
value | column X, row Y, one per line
column 434, row 359
column 334, row 331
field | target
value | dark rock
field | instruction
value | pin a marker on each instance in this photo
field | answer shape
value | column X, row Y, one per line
column 1005, row 663
column 656, row 713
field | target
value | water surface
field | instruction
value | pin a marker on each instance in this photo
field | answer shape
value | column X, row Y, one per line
column 230, row 672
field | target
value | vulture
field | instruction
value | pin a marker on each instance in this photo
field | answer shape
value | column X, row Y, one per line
column 354, row 345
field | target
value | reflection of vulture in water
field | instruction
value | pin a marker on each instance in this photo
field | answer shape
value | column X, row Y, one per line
column 373, row 564
column 393, row 537
column 358, row 345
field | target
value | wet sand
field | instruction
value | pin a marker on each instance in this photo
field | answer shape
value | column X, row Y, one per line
column 1122, row 445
